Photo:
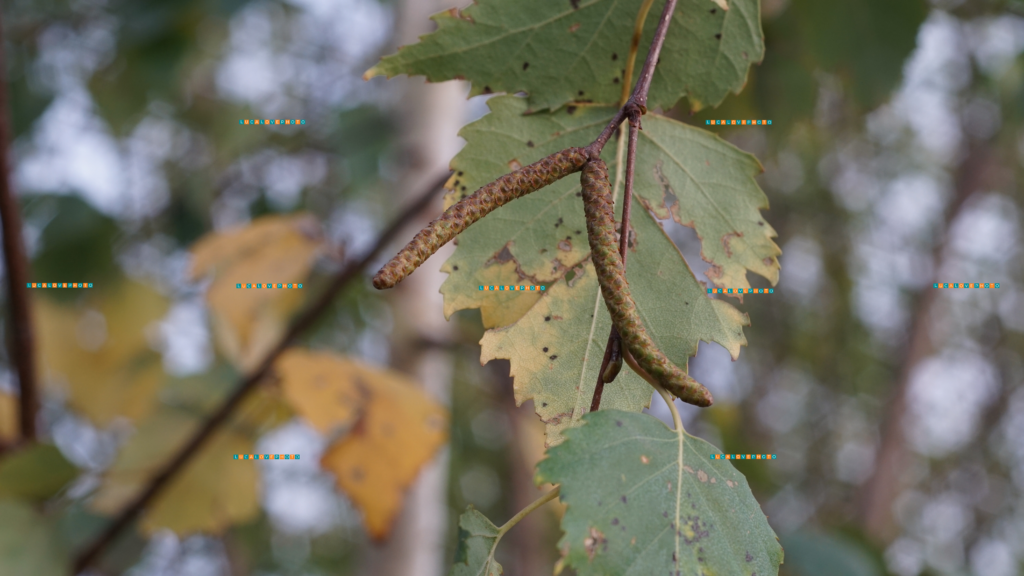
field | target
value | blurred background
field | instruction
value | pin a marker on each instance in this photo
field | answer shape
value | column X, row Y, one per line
column 893, row 162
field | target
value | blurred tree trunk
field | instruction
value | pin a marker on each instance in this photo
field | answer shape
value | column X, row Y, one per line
column 976, row 171
column 525, row 543
column 430, row 116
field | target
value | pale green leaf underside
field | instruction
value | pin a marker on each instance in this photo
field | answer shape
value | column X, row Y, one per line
column 711, row 182
column 558, row 54
column 28, row 543
column 643, row 499
column 557, row 347
column 478, row 537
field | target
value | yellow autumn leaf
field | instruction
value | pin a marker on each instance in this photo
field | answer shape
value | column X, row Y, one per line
column 98, row 349
column 394, row 428
column 497, row 308
column 214, row 491
column 8, row 418
column 273, row 249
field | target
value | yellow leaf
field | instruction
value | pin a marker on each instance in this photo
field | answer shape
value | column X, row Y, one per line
column 497, row 308
column 98, row 347
column 395, row 428
column 220, row 248
column 327, row 390
column 274, row 249
column 8, row 418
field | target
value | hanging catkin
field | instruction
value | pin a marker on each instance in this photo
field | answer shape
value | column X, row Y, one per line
column 604, row 250
column 474, row 207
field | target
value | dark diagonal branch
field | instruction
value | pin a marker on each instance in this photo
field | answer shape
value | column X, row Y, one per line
column 22, row 348
column 301, row 323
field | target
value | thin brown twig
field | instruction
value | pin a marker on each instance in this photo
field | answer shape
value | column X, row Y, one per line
column 22, row 342
column 301, row 323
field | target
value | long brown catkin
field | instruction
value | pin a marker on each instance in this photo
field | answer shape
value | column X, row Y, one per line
column 459, row 216
column 604, row 251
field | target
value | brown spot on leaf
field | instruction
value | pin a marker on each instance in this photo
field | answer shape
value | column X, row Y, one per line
column 615, row 80
column 526, row 65
column 574, row 27
column 767, row 261
column 501, row 256
column 514, row 164
column 725, row 242
column 749, row 558
column 615, row 521
column 718, row 36
column 713, row 10
column 557, row 418
column 456, row 13
column 596, row 541
column 545, row 348
column 357, row 474
column 702, row 476
column 553, row 356
column 730, row 483
column 565, row 245
column 529, row 143
column 688, row 469
column 615, row 56
column 645, row 459
column 570, row 109
column 623, row 498
column 713, row 481
column 487, row 90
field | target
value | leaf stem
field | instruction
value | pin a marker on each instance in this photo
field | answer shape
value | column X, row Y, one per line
column 249, row 383
column 669, row 400
column 551, row 495
column 638, row 99
column 22, row 341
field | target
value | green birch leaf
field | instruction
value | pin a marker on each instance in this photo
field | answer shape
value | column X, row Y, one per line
column 478, row 537
column 36, row 472
column 682, row 171
column 575, row 50
column 557, row 347
column 643, row 499
column 28, row 543
column 708, row 184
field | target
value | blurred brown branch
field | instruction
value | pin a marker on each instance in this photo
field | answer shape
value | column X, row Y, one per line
column 249, row 383
column 22, row 345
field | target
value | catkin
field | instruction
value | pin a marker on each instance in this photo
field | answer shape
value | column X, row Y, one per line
column 614, row 363
column 474, row 207
column 604, row 250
